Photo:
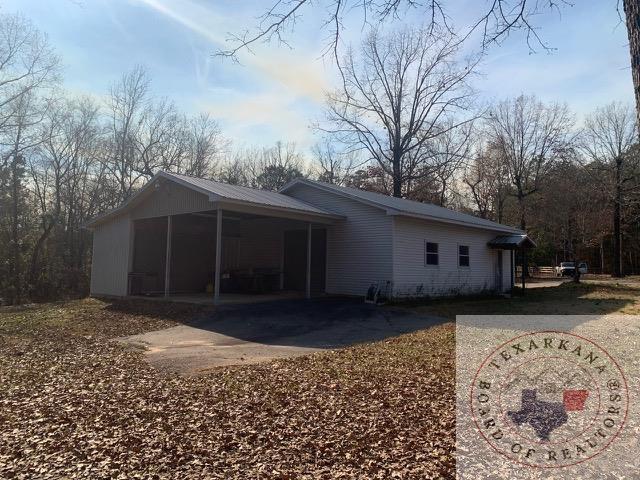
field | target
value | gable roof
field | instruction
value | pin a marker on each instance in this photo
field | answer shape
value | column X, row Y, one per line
column 404, row 207
column 217, row 191
column 225, row 191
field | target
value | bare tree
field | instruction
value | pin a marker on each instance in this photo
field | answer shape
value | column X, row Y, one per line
column 60, row 171
column 128, row 100
column 608, row 136
column 400, row 92
column 497, row 21
column 335, row 165
column 448, row 154
column 486, row 178
column 206, row 146
column 528, row 135
column 277, row 166
column 632, row 14
column 28, row 67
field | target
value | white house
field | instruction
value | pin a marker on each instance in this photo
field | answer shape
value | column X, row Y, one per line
column 183, row 235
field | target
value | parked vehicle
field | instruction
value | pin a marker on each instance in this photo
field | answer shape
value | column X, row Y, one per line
column 567, row 269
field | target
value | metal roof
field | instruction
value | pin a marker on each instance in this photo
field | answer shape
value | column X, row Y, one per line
column 217, row 191
column 508, row 242
column 246, row 194
column 402, row 206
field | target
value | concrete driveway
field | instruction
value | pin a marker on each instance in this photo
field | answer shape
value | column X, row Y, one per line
column 243, row 334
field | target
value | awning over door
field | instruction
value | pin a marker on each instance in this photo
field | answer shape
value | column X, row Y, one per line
column 511, row 242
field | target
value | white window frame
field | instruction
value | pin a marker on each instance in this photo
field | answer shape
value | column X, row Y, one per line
column 468, row 255
column 426, row 254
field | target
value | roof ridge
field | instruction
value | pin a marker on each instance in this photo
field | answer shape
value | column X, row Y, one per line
column 387, row 201
column 221, row 183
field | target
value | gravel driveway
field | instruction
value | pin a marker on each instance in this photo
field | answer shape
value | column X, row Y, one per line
column 243, row 334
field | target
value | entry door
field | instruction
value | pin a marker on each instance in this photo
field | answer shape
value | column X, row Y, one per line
column 295, row 260
column 499, row 270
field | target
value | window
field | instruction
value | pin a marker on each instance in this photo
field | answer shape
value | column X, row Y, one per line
column 431, row 254
column 463, row 255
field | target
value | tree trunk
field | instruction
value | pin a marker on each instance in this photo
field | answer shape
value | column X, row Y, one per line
column 523, row 218
column 632, row 14
column 617, row 224
column 16, row 265
column 397, row 180
column 35, row 256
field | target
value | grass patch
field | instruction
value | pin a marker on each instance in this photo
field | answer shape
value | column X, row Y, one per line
column 566, row 299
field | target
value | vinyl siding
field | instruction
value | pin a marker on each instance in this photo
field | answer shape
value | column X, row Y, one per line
column 110, row 260
column 171, row 199
column 447, row 278
column 358, row 248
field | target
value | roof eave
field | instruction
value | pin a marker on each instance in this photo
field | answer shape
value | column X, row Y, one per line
column 302, row 181
column 330, row 216
column 494, row 228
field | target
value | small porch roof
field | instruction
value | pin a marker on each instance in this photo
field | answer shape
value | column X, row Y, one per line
column 511, row 242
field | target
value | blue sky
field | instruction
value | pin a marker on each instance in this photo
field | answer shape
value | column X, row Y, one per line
column 277, row 93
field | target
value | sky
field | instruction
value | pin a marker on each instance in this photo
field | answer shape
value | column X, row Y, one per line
column 277, row 92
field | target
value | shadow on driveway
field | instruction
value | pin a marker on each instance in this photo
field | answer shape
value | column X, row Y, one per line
column 251, row 333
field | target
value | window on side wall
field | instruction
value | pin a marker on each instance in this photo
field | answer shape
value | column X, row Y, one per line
column 431, row 253
column 463, row 255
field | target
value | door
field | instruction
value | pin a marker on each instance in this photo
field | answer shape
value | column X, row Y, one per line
column 295, row 260
column 318, row 260
column 499, row 270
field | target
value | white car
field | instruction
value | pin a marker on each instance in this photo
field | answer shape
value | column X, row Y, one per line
column 566, row 269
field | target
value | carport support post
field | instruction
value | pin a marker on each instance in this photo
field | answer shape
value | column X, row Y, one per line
column 216, row 284
column 511, row 254
column 524, row 268
column 167, row 261
column 308, row 286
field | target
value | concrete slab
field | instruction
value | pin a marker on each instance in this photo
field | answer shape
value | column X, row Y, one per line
column 244, row 334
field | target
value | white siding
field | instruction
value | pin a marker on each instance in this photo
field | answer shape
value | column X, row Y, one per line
column 171, row 199
column 447, row 278
column 110, row 260
column 358, row 248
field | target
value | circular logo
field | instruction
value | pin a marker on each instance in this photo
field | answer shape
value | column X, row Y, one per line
column 549, row 399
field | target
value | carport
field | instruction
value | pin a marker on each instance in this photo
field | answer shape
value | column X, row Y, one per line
column 224, row 256
column 201, row 241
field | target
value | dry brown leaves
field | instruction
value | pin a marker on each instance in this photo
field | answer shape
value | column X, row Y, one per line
column 74, row 404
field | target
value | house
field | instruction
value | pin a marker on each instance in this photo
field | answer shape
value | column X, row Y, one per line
column 182, row 235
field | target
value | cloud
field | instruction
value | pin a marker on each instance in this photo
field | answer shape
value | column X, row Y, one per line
column 303, row 75
column 250, row 119
column 273, row 93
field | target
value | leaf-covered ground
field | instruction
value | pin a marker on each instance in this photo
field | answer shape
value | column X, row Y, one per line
column 75, row 404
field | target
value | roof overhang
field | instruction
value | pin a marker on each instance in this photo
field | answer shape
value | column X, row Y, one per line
column 498, row 228
column 272, row 211
column 505, row 229
column 512, row 242
column 217, row 201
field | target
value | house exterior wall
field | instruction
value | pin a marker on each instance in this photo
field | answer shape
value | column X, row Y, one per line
column 112, row 244
column 359, row 247
column 413, row 277
column 261, row 242
column 171, row 199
